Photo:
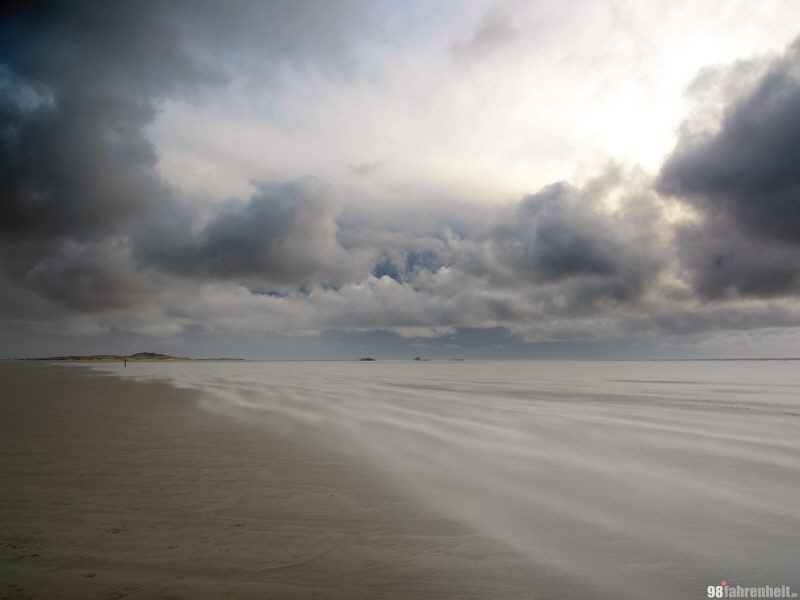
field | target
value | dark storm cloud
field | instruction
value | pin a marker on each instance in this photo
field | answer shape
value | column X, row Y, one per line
column 80, row 84
column 563, row 239
column 749, row 169
column 723, row 261
column 90, row 278
column 744, row 179
column 558, row 238
column 78, row 170
column 285, row 234
column 80, row 81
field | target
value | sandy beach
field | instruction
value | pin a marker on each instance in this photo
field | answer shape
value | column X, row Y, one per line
column 552, row 481
column 120, row 489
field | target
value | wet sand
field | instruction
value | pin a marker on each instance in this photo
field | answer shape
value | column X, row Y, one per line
column 121, row 489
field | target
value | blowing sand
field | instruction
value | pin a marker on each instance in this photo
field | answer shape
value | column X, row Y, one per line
column 120, row 489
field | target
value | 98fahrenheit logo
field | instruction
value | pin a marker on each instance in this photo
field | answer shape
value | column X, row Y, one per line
column 723, row 590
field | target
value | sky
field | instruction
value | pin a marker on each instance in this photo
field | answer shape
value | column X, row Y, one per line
column 324, row 179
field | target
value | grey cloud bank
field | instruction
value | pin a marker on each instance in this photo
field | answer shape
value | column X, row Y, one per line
column 285, row 234
column 98, row 249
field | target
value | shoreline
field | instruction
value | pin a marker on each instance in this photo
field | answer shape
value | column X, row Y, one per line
column 121, row 488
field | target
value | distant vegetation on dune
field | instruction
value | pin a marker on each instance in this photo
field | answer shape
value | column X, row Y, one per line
column 137, row 356
column 152, row 356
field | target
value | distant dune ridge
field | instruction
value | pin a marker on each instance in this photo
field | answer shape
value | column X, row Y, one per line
column 137, row 356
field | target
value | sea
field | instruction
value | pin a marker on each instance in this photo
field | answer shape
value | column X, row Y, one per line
column 640, row 479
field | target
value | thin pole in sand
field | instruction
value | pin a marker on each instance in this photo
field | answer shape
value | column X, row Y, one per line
column 125, row 361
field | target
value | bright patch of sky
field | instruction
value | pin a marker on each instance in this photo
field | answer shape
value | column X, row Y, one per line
column 477, row 101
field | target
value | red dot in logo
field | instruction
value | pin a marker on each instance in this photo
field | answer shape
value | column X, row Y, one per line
column 723, row 583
